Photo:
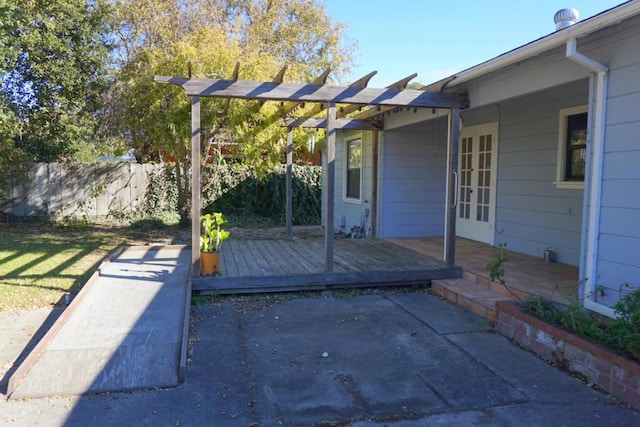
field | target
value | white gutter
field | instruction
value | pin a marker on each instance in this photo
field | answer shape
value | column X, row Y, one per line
column 553, row 40
column 595, row 177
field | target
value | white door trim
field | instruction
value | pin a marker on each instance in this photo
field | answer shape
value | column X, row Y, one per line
column 475, row 217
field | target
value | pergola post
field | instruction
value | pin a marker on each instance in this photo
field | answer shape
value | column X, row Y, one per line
column 374, row 185
column 451, row 203
column 289, row 202
column 195, row 186
column 331, row 171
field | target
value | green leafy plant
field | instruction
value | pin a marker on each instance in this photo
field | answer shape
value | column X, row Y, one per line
column 495, row 267
column 627, row 324
column 212, row 233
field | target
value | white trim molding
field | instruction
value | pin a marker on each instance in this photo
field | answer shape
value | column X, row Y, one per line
column 560, row 181
column 345, row 197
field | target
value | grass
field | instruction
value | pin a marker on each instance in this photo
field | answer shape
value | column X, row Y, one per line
column 39, row 262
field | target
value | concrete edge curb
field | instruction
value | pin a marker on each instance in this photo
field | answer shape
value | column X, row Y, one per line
column 182, row 369
column 155, row 247
column 34, row 355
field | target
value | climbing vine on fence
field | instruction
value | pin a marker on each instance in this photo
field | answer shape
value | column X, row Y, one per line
column 236, row 189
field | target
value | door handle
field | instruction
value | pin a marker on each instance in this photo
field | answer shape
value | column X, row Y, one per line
column 455, row 190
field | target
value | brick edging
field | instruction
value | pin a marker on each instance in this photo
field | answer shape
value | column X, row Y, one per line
column 611, row 372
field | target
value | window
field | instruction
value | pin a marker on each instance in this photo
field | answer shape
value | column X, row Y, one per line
column 354, row 165
column 572, row 147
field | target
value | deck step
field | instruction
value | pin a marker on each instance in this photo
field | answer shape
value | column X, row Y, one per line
column 471, row 295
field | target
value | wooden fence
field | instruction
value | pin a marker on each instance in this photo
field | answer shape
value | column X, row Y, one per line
column 58, row 190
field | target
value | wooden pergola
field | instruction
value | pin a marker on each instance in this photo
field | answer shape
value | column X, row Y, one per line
column 371, row 104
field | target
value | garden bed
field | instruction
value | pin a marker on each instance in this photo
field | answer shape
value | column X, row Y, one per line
column 610, row 371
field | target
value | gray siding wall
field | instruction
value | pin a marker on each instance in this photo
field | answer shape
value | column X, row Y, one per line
column 531, row 213
column 353, row 212
column 619, row 238
column 412, row 188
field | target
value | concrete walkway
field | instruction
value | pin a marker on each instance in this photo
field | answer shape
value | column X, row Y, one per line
column 123, row 331
column 374, row 360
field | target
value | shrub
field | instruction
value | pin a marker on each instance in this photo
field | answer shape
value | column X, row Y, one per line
column 621, row 334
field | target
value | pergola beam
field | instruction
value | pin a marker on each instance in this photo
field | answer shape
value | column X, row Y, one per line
column 320, row 123
column 362, row 82
column 320, row 81
column 277, row 79
column 400, row 84
column 373, row 111
column 234, row 77
column 243, row 89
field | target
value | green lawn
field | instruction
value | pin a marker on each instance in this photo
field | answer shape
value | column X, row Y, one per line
column 39, row 263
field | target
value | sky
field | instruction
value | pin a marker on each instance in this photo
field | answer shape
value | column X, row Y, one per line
column 439, row 38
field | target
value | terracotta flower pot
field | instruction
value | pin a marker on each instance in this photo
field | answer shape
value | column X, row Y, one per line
column 209, row 263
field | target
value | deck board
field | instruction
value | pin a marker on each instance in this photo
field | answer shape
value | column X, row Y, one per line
column 274, row 251
column 228, row 265
column 340, row 262
column 295, row 257
column 258, row 258
column 268, row 264
column 360, row 257
column 284, row 265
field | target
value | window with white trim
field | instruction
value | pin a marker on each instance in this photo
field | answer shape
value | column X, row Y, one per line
column 572, row 147
column 353, row 168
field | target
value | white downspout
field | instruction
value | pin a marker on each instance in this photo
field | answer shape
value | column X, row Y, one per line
column 595, row 178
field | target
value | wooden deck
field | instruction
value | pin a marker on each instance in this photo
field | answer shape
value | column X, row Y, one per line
column 251, row 266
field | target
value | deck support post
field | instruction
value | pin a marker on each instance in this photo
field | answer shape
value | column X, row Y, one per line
column 289, row 202
column 374, row 184
column 451, row 203
column 195, row 186
column 331, row 171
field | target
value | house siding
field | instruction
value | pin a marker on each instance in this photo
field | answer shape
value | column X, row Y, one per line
column 619, row 238
column 531, row 213
column 353, row 211
column 412, row 188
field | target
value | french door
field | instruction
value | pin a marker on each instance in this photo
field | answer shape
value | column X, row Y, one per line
column 477, row 165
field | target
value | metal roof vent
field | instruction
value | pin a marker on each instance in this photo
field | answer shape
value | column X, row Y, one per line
column 565, row 18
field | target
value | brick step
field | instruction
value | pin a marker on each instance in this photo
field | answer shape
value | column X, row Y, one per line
column 473, row 296
column 494, row 286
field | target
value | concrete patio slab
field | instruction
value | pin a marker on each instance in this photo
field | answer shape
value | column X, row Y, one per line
column 393, row 359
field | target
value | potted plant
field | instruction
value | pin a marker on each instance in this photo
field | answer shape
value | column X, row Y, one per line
column 211, row 241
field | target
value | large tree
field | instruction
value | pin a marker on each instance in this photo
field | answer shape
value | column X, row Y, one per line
column 53, row 73
column 162, row 36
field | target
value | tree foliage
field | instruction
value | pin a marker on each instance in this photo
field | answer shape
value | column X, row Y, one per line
column 77, row 73
column 160, row 37
column 53, row 73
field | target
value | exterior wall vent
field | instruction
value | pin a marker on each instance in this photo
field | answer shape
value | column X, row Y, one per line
column 565, row 18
